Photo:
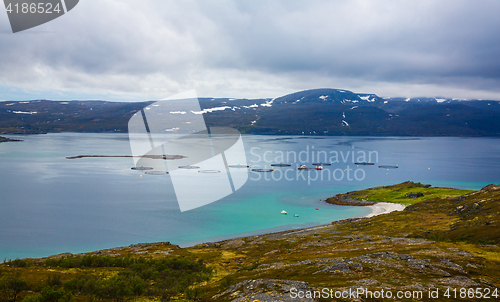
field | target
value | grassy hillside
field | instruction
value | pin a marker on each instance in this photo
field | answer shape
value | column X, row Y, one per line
column 449, row 240
column 397, row 193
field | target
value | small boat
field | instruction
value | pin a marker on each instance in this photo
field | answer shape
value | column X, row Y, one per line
column 296, row 215
column 364, row 164
column 284, row 212
column 319, row 167
column 303, row 167
column 262, row 170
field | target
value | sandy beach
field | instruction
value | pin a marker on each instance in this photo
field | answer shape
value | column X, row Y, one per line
column 384, row 208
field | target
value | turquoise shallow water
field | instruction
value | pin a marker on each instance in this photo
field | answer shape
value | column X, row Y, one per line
column 52, row 205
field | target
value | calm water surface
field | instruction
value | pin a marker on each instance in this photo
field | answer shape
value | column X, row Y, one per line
column 50, row 205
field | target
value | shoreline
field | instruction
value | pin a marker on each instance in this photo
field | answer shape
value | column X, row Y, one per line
column 378, row 208
column 6, row 139
column 381, row 208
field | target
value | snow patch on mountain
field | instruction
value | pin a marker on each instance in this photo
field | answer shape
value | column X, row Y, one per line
column 268, row 103
column 25, row 112
column 211, row 110
column 367, row 98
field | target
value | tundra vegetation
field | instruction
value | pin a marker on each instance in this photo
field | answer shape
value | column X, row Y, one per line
column 444, row 239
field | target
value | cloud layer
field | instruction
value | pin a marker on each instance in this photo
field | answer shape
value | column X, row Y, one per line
column 138, row 50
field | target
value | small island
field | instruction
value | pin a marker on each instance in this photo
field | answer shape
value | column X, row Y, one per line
column 443, row 239
column 5, row 139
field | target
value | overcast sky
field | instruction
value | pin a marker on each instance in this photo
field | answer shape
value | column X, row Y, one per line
column 142, row 50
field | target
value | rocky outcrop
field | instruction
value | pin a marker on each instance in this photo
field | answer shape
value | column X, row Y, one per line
column 414, row 194
column 346, row 200
column 265, row 290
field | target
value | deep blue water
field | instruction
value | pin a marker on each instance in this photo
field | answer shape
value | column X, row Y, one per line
column 50, row 205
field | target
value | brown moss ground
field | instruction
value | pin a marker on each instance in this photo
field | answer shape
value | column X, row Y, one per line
column 448, row 241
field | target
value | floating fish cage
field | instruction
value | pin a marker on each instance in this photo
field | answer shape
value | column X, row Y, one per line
column 189, row 167
column 262, row 170
column 209, row 171
column 156, row 172
column 141, row 168
column 238, row 166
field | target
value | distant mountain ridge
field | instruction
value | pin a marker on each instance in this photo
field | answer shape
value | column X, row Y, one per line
column 311, row 112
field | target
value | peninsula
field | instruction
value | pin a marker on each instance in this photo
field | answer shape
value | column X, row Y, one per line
column 4, row 139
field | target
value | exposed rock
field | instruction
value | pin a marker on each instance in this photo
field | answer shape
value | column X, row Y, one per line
column 276, row 265
column 338, row 266
column 414, row 195
column 409, row 241
column 356, row 266
column 365, row 281
column 388, row 255
column 486, row 282
column 346, row 200
column 271, row 252
column 265, row 290
column 280, row 265
column 232, row 244
column 453, row 266
column 424, row 264
column 458, row 281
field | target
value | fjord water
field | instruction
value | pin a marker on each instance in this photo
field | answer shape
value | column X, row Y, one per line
column 50, row 204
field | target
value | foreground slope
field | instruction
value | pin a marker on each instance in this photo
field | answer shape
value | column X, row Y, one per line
column 446, row 241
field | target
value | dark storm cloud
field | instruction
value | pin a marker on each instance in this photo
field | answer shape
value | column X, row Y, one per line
column 151, row 49
column 377, row 40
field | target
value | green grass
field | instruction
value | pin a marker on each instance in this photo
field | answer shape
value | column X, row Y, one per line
column 396, row 193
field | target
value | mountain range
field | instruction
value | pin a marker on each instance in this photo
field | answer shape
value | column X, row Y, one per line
column 309, row 112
